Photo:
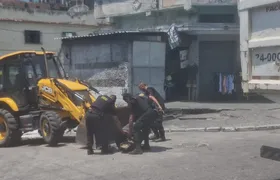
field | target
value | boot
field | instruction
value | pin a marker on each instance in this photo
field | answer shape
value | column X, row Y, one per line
column 137, row 150
column 146, row 147
column 162, row 135
column 106, row 150
column 90, row 152
column 155, row 136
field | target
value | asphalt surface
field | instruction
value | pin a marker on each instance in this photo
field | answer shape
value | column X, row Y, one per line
column 231, row 114
column 236, row 118
column 193, row 156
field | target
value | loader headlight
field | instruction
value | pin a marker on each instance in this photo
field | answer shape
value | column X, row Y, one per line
column 77, row 99
column 81, row 96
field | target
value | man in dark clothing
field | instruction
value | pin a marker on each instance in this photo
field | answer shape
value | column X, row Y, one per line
column 97, row 125
column 157, row 126
column 143, row 114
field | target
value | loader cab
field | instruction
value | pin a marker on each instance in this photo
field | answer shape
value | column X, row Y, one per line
column 19, row 74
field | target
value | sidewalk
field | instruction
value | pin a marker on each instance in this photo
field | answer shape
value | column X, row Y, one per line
column 216, row 117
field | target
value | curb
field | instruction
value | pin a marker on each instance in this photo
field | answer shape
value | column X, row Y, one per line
column 226, row 129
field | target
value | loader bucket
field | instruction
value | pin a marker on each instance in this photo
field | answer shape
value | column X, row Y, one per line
column 81, row 133
column 123, row 115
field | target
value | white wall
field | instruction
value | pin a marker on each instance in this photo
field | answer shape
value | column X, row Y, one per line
column 265, row 22
column 12, row 35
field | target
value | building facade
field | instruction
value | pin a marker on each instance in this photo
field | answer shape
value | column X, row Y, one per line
column 116, row 61
column 31, row 28
column 205, row 63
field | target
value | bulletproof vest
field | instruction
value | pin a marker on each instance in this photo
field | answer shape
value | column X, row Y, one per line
column 102, row 103
column 158, row 97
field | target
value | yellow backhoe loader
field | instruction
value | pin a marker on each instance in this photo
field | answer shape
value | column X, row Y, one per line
column 35, row 94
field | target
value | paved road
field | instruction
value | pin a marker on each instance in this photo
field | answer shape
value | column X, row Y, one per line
column 193, row 156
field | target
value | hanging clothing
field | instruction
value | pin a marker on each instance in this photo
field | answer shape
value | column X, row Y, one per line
column 220, row 82
column 224, row 84
column 230, row 82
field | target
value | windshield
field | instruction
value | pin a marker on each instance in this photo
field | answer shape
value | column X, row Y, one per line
column 36, row 67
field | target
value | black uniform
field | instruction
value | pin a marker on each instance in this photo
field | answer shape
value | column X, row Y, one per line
column 96, row 123
column 144, row 111
column 153, row 92
column 157, row 126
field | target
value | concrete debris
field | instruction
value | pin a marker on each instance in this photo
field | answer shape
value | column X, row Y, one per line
column 204, row 145
column 246, row 128
column 228, row 129
column 191, row 118
column 195, row 130
column 213, row 129
column 112, row 81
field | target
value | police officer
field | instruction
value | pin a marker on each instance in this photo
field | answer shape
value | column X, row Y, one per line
column 157, row 127
column 97, row 125
column 143, row 114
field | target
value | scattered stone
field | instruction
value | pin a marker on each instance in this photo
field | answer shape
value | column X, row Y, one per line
column 246, row 128
column 268, row 127
column 177, row 130
column 204, row 145
column 192, row 118
column 228, row 129
column 195, row 130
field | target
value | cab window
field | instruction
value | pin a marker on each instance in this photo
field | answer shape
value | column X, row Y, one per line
column 13, row 79
column 30, row 74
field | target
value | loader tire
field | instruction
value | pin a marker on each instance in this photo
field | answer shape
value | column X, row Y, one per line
column 10, row 135
column 50, row 127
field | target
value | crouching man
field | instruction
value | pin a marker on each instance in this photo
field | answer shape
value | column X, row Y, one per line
column 143, row 114
column 97, row 124
column 154, row 95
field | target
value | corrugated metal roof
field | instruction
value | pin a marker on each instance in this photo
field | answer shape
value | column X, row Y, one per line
column 182, row 27
column 106, row 33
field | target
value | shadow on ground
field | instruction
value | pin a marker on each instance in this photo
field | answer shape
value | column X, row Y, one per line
column 156, row 149
column 159, row 141
column 39, row 141
column 252, row 98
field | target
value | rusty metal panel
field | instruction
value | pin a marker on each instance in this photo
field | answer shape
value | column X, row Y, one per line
column 148, row 65
column 157, row 54
column 141, row 54
column 156, row 75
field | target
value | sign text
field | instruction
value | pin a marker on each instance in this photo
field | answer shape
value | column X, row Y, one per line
column 268, row 56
